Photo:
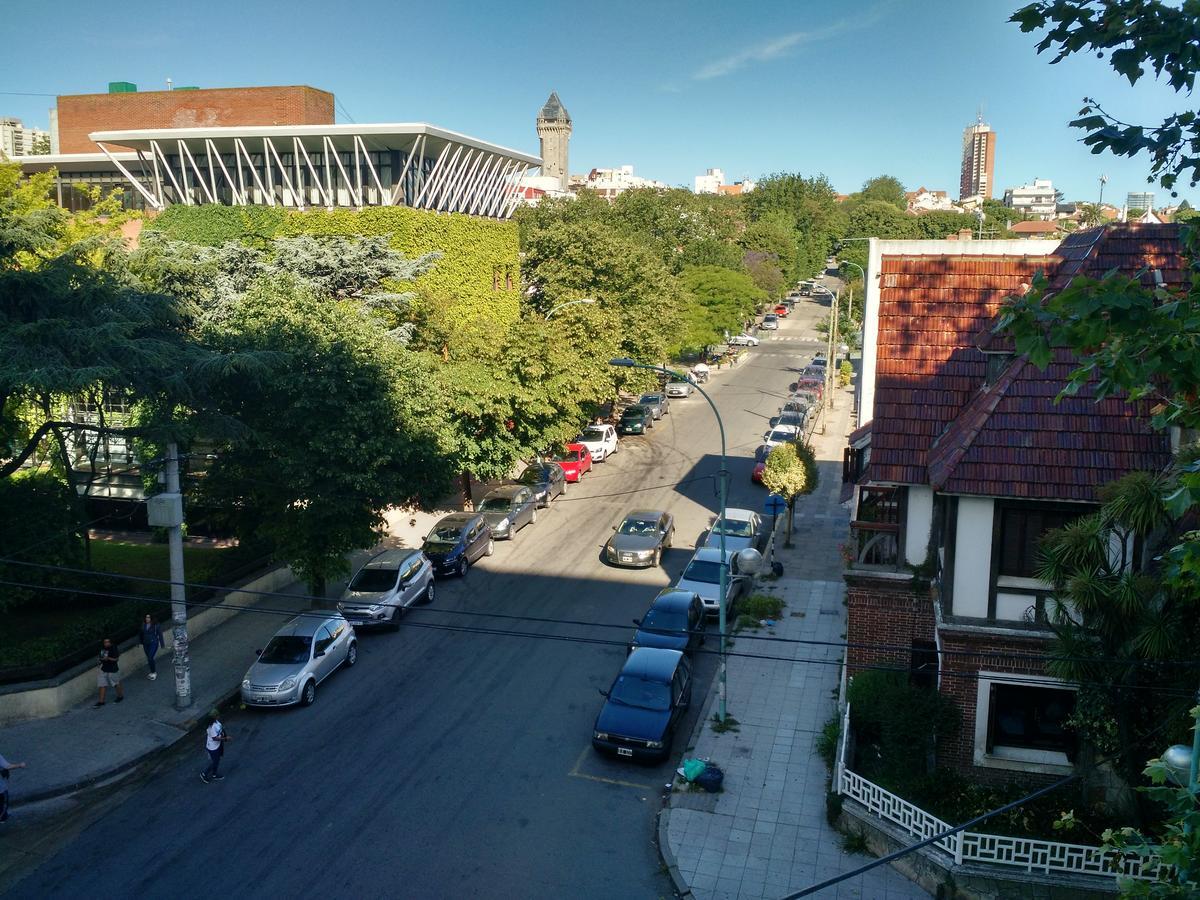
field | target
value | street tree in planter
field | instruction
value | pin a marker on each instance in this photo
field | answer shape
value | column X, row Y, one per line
column 791, row 471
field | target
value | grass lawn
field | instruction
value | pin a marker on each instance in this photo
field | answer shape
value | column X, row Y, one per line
column 64, row 623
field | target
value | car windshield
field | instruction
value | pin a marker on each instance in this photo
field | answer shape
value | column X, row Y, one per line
column 372, row 581
column 650, row 398
column 706, row 571
column 665, row 620
column 633, row 691
column 733, row 527
column 638, row 526
column 446, row 534
column 285, row 649
column 534, row 475
column 634, row 412
column 593, row 434
column 496, row 504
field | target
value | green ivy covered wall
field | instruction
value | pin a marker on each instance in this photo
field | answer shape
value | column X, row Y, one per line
column 479, row 268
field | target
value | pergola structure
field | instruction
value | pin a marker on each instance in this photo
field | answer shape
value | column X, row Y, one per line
column 320, row 166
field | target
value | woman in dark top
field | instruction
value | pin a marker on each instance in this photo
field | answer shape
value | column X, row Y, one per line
column 152, row 640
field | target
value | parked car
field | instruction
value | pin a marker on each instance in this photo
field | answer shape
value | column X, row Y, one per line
column 508, row 509
column 760, row 463
column 547, row 479
column 301, row 655
column 770, row 322
column 819, row 363
column 743, row 340
column 806, row 288
column 658, row 404
column 798, row 418
column 575, row 461
column 386, row 585
column 457, row 541
column 674, row 621
column 679, row 388
column 636, row 419
column 741, row 528
column 601, row 441
column 780, row 434
column 645, row 704
column 816, row 372
column 799, row 402
column 782, row 310
column 702, row 576
column 640, row 539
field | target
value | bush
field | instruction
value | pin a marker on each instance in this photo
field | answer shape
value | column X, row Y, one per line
column 761, row 606
column 827, row 740
column 846, row 372
column 895, row 724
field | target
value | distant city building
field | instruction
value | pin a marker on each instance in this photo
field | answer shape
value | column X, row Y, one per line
column 978, row 161
column 1139, row 200
column 924, row 200
column 18, row 140
column 1037, row 199
column 611, row 183
column 738, row 188
column 710, row 182
column 554, row 131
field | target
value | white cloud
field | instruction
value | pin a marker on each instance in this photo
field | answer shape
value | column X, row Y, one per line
column 784, row 44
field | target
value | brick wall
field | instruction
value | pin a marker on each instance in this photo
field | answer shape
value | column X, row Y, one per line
column 81, row 114
column 885, row 611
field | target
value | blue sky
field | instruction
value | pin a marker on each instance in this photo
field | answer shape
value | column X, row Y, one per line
column 850, row 89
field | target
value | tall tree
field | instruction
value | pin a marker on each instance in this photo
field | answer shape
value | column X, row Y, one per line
column 790, row 472
column 885, row 189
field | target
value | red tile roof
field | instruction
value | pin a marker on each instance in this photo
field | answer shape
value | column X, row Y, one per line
column 1034, row 227
column 936, row 422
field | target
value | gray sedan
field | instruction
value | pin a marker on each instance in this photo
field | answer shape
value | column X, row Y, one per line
column 658, row 404
column 301, row 655
column 508, row 509
column 640, row 539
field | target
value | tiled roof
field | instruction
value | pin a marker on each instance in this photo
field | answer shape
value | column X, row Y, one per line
column 554, row 110
column 1034, row 227
column 930, row 309
column 935, row 421
column 1014, row 440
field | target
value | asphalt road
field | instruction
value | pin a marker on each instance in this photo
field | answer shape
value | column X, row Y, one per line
column 449, row 763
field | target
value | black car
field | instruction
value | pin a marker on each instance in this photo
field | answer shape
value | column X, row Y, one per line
column 456, row 541
column 547, row 480
column 636, row 420
column 643, row 707
column 674, row 621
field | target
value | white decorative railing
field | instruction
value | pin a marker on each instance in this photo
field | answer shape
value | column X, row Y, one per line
column 1028, row 854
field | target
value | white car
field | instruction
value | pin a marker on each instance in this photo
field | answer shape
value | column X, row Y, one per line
column 601, row 441
column 780, row 434
column 743, row 340
column 702, row 577
column 741, row 528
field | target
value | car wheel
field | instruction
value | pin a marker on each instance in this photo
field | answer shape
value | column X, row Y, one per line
column 657, row 558
column 428, row 598
column 564, row 489
column 532, row 516
column 394, row 621
column 308, row 694
column 491, row 547
column 352, row 654
column 463, row 565
column 670, row 541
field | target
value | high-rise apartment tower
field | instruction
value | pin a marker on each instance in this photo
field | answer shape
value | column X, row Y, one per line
column 978, row 161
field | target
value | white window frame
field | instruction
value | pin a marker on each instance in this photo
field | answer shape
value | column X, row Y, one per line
column 1015, row 759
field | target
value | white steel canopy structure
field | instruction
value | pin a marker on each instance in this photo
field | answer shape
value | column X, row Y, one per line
column 322, row 166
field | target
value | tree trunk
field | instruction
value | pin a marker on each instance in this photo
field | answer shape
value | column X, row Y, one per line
column 468, row 501
column 316, row 589
column 791, row 508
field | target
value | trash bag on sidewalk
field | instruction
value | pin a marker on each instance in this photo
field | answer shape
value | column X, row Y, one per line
column 692, row 768
column 711, row 778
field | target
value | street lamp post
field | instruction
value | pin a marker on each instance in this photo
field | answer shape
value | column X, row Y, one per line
column 862, row 335
column 723, row 491
column 568, row 303
column 1183, row 762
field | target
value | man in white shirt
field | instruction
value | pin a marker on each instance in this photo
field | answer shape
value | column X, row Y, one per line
column 214, row 742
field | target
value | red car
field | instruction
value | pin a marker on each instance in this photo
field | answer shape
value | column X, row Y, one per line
column 575, row 460
column 782, row 311
column 760, row 463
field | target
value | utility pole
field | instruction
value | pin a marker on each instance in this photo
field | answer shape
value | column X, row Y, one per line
column 166, row 510
column 1103, row 181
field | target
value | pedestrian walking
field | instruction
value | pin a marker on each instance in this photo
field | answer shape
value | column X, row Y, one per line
column 110, row 673
column 5, row 768
column 152, row 642
column 214, row 742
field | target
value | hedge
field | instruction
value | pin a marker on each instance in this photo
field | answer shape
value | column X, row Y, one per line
column 477, row 253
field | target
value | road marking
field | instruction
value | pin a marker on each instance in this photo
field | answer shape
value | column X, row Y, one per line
column 575, row 773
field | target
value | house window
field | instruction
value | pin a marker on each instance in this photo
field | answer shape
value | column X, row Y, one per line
column 1030, row 717
column 923, row 664
column 1021, row 528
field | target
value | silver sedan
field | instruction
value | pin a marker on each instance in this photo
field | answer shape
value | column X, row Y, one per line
column 301, row 655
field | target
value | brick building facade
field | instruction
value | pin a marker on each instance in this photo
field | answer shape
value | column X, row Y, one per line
column 81, row 114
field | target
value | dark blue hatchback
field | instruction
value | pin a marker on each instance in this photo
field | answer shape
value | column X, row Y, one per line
column 644, row 706
column 456, row 541
column 674, row 621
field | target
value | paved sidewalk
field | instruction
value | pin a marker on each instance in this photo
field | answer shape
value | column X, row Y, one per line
column 766, row 835
column 85, row 746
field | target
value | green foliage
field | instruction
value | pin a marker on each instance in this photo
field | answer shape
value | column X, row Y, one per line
column 1136, row 35
column 761, row 606
column 39, row 521
column 827, row 740
column 343, row 423
column 895, row 724
column 875, row 218
column 809, row 206
column 940, row 224
column 845, row 372
column 479, row 257
column 885, row 189
column 791, row 471
column 717, row 300
column 855, row 841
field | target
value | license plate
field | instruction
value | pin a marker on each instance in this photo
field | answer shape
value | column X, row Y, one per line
column 624, row 751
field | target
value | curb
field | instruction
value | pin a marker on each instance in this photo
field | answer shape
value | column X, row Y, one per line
column 124, row 766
